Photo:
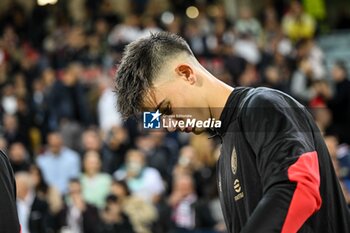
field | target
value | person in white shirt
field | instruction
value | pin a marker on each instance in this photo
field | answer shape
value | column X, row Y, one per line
column 181, row 200
column 143, row 181
column 59, row 164
column 32, row 211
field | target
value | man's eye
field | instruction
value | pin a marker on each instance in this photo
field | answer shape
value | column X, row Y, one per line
column 167, row 110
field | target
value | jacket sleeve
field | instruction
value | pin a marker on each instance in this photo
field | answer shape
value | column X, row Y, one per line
column 8, row 211
column 279, row 132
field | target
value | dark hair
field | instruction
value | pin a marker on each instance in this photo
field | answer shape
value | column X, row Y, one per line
column 139, row 65
column 342, row 65
column 123, row 184
column 111, row 198
column 74, row 180
column 42, row 185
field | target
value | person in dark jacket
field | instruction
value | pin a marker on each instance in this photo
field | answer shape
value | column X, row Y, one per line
column 19, row 158
column 113, row 218
column 78, row 216
column 274, row 171
column 339, row 102
column 67, row 106
column 9, row 219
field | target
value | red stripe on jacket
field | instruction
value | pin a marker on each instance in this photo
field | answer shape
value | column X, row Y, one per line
column 306, row 198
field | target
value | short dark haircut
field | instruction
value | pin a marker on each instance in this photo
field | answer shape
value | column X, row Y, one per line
column 123, row 184
column 75, row 180
column 139, row 65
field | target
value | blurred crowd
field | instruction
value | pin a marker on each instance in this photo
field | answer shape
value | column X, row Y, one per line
column 80, row 168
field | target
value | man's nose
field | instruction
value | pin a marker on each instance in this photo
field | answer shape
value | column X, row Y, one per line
column 173, row 125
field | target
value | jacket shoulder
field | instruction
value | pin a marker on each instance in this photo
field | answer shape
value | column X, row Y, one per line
column 265, row 97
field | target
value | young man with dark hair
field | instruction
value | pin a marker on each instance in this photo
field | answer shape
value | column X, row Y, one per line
column 8, row 211
column 274, row 171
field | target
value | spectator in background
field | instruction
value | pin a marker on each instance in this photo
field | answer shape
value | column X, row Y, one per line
column 32, row 211
column 195, row 38
column 332, row 145
column 48, row 77
column 160, row 151
column 107, row 116
column 125, row 32
column 116, row 145
column 93, row 55
column 113, row 217
column 9, row 100
column 321, row 114
column 38, row 105
column 19, row 157
column 246, row 24
column 208, row 214
column 181, row 199
column 25, row 121
column 306, row 48
column 204, row 174
column 273, row 79
column 48, row 193
column 12, row 131
column 95, row 185
column 339, row 103
column 246, row 48
column 70, row 47
column 199, row 163
column 142, row 214
column 343, row 155
column 91, row 140
column 78, row 216
column 302, row 82
column 187, row 162
column 271, row 32
column 148, row 25
column 67, row 106
column 249, row 33
column 220, row 41
column 101, row 29
column 143, row 181
column 58, row 163
column 277, row 59
column 317, row 60
column 297, row 24
column 21, row 88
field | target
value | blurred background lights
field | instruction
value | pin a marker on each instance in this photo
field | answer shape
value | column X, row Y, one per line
column 167, row 17
column 46, row 2
column 192, row 12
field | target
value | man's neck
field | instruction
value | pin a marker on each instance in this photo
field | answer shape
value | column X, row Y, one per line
column 219, row 94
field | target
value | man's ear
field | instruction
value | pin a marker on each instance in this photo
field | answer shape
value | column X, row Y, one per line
column 186, row 72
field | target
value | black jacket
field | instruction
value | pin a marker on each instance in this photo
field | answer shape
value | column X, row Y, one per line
column 38, row 222
column 67, row 102
column 8, row 211
column 274, row 172
column 340, row 107
column 90, row 218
